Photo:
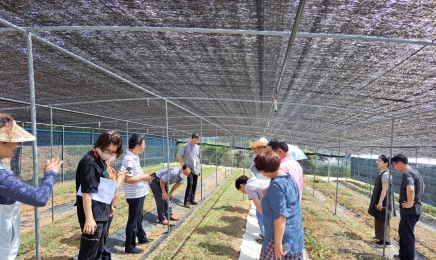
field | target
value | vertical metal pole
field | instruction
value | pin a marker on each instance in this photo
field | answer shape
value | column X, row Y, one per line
column 388, row 197
column 314, row 174
column 233, row 153
column 163, row 143
column 156, row 152
column 92, row 137
column 337, row 179
column 51, row 156
column 201, row 162
column 127, row 136
column 145, row 157
column 225, row 155
column 34, row 144
column 168, row 165
column 243, row 162
column 21, row 156
column 328, row 179
column 63, row 153
column 216, row 157
column 346, row 153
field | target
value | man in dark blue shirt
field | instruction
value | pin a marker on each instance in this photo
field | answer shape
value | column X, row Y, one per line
column 411, row 190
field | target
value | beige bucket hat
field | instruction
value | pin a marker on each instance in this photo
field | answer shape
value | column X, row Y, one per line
column 15, row 133
column 261, row 142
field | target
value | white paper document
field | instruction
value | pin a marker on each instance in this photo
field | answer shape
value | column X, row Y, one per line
column 106, row 191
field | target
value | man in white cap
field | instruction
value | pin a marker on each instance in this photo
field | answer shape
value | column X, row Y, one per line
column 258, row 147
column 13, row 192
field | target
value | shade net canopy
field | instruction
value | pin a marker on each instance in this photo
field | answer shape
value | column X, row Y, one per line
column 354, row 69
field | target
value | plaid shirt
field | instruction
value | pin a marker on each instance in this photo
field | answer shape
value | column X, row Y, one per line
column 268, row 253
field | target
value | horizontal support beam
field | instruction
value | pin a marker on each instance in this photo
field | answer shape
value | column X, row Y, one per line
column 213, row 99
column 220, row 31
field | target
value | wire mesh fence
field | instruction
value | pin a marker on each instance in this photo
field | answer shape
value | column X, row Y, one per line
column 364, row 168
column 72, row 144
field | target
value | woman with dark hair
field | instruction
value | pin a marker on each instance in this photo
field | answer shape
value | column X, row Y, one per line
column 117, row 176
column 13, row 192
column 378, row 204
column 281, row 211
column 94, row 215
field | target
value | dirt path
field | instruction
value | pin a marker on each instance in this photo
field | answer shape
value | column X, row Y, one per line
column 158, row 232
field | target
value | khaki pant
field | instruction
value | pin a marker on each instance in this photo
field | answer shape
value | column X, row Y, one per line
column 379, row 226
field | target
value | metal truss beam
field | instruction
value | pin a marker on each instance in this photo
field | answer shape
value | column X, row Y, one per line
column 214, row 99
column 221, row 31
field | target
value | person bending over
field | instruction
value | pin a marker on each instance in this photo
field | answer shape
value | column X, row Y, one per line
column 254, row 189
column 160, row 190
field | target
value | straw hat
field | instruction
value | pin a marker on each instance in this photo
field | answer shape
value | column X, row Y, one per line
column 261, row 142
column 15, row 133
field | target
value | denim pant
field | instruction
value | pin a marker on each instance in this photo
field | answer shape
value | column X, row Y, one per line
column 134, row 223
column 260, row 220
column 191, row 186
column 406, row 231
column 92, row 246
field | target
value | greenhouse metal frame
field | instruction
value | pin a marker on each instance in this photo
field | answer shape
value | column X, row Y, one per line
column 336, row 74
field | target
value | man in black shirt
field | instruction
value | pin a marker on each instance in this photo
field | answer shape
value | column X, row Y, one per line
column 411, row 190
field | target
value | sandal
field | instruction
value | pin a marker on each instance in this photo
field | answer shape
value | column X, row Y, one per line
column 259, row 240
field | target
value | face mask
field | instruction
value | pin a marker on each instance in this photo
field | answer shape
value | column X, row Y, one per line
column 183, row 176
column 102, row 155
column 112, row 158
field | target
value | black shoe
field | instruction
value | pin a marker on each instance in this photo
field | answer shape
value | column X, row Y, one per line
column 380, row 244
column 259, row 240
column 397, row 257
column 193, row 202
column 134, row 250
column 147, row 240
column 186, row 205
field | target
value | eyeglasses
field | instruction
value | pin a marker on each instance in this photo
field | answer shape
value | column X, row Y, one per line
column 260, row 147
column 394, row 163
column 110, row 153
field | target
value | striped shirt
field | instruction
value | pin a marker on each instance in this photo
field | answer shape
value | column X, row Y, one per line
column 138, row 189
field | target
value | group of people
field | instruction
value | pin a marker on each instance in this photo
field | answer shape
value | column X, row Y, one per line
column 276, row 191
column 95, row 216
column 95, row 205
column 382, row 206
